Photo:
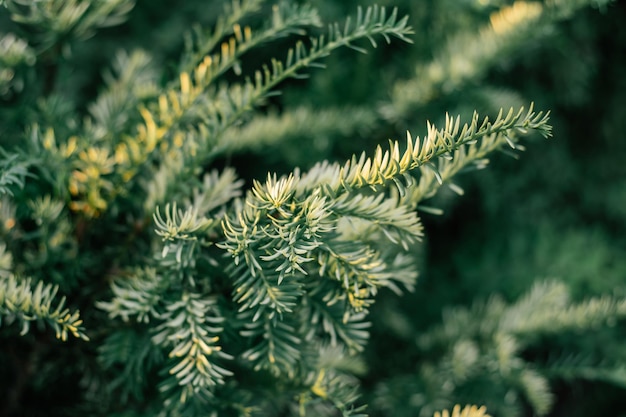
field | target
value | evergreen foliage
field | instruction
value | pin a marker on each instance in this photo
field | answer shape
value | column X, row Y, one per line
column 481, row 351
column 211, row 286
column 467, row 411
column 20, row 302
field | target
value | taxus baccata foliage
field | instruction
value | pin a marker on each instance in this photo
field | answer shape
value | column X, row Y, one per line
column 181, row 289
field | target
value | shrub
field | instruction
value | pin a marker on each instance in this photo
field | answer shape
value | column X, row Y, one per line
column 131, row 197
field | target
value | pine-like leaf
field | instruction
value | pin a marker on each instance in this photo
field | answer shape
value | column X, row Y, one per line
column 467, row 411
column 18, row 300
column 13, row 171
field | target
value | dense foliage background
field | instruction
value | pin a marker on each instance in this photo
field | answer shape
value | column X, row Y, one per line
column 558, row 213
